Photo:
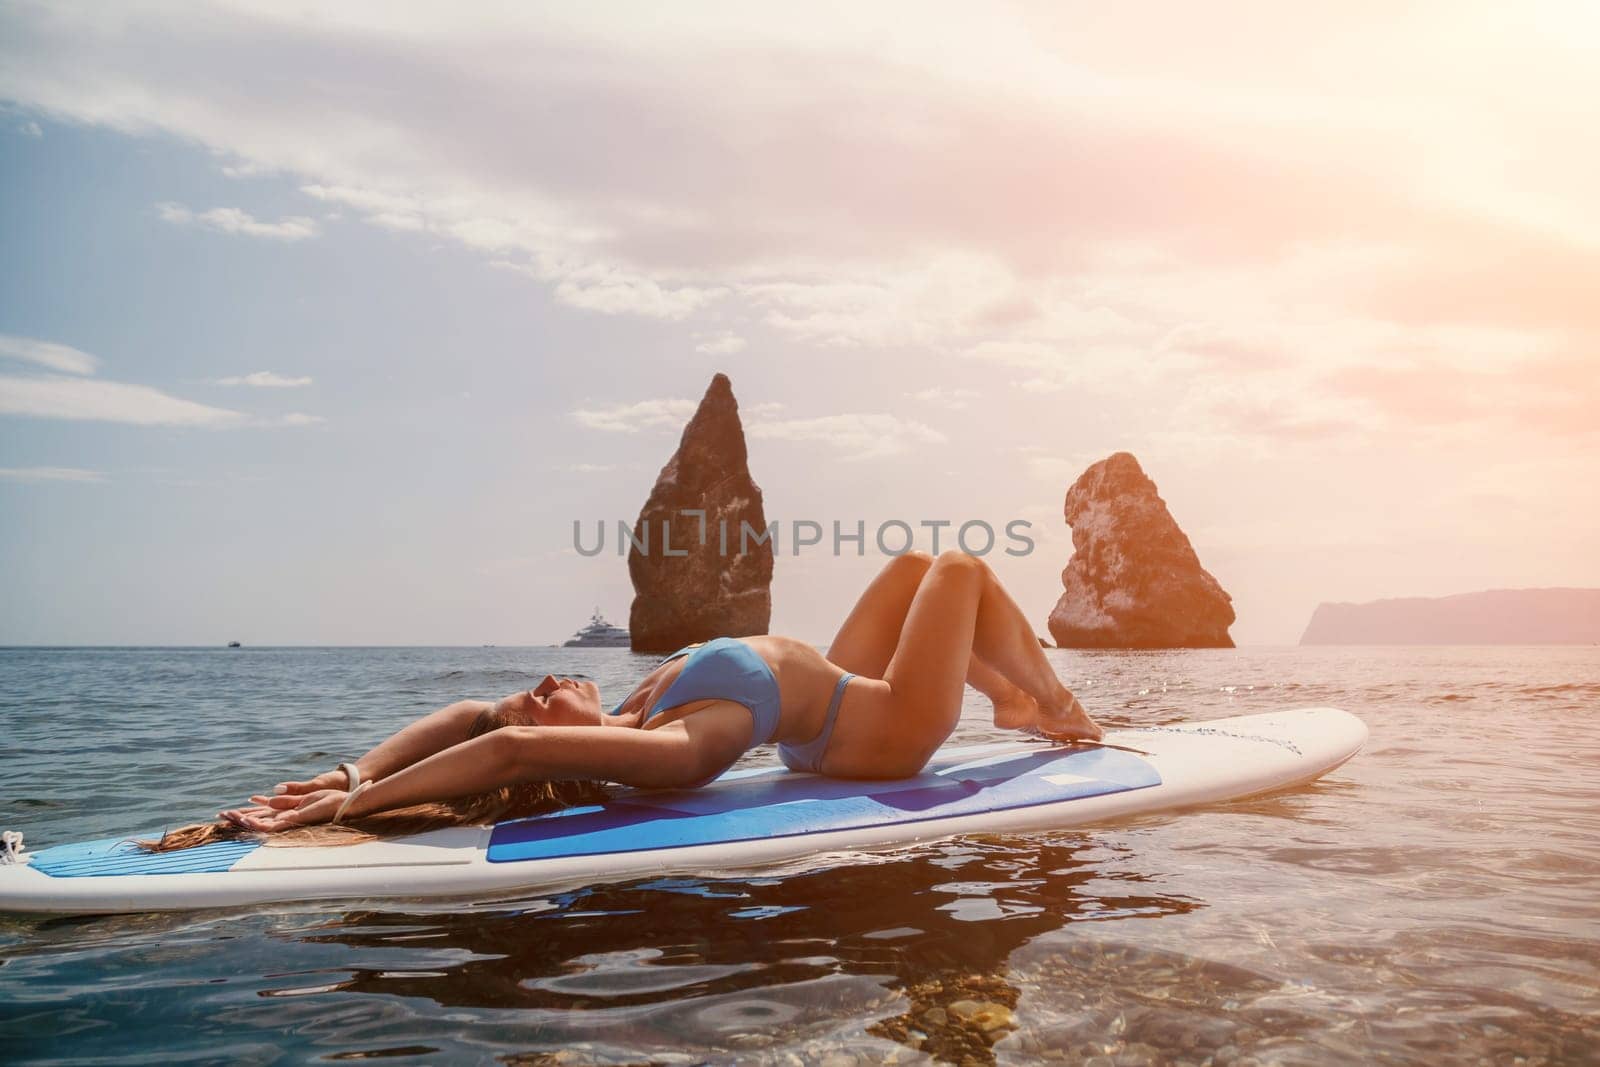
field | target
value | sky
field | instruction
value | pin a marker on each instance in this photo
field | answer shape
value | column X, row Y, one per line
column 322, row 324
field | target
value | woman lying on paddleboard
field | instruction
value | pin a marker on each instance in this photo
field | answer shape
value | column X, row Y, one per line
column 878, row 705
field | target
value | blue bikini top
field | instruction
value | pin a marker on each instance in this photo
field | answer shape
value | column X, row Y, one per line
column 724, row 668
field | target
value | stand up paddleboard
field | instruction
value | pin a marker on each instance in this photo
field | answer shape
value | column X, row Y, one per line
column 743, row 819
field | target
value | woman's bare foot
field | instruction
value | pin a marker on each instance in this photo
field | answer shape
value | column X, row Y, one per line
column 1069, row 722
column 1016, row 710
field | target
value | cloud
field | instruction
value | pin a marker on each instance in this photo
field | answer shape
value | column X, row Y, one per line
column 75, row 395
column 371, row 201
column 615, row 294
column 671, row 194
column 246, row 169
column 1554, row 395
column 719, row 343
column 582, row 136
column 858, row 435
column 47, row 354
column 232, row 220
column 30, row 129
column 936, row 299
column 953, row 399
column 861, row 436
column 49, row 474
column 1057, row 356
column 1224, row 349
column 390, row 220
column 83, row 398
column 265, row 379
column 666, row 413
column 1280, row 422
column 1070, row 199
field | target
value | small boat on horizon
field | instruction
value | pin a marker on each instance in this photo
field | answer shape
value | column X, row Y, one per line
column 599, row 634
column 234, row 644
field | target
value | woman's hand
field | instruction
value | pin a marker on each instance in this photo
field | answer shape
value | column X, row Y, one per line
column 281, row 812
column 334, row 779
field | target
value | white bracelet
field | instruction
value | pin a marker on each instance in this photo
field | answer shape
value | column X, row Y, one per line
column 351, row 799
column 353, row 773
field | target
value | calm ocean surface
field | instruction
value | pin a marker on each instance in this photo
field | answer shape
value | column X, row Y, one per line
column 1436, row 900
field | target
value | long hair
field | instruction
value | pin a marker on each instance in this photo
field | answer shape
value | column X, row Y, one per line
column 510, row 802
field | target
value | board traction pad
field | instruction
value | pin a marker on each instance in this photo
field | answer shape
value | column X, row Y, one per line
column 788, row 805
column 753, row 804
column 119, row 855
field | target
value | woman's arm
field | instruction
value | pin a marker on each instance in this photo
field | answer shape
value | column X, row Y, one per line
column 421, row 739
column 428, row 735
column 678, row 754
column 649, row 758
column 451, row 726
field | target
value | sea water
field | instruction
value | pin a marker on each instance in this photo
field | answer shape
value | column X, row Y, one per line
column 1436, row 900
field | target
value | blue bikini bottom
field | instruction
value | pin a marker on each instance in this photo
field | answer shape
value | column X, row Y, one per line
column 808, row 757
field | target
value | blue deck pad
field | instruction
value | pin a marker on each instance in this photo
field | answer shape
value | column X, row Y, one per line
column 779, row 804
column 119, row 855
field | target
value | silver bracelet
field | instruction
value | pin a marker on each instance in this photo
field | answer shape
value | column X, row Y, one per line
column 353, row 774
column 351, row 799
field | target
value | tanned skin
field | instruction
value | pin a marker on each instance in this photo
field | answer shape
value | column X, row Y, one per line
column 923, row 630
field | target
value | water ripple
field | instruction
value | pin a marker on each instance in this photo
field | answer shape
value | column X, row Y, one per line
column 1431, row 902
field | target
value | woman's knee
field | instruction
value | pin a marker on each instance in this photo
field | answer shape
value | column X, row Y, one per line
column 914, row 559
column 955, row 558
column 956, row 562
column 908, row 566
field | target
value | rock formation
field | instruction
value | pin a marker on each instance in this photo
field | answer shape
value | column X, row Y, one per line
column 1134, row 580
column 1495, row 617
column 686, row 588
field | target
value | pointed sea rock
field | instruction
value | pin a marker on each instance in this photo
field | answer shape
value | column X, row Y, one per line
column 1134, row 580
column 686, row 589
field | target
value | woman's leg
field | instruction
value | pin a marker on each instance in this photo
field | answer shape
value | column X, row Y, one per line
column 959, row 610
column 1005, row 642
column 871, row 632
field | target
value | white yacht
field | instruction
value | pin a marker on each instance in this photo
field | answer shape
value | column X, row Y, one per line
column 599, row 634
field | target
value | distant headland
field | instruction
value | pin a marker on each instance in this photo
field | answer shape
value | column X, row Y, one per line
column 1494, row 617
